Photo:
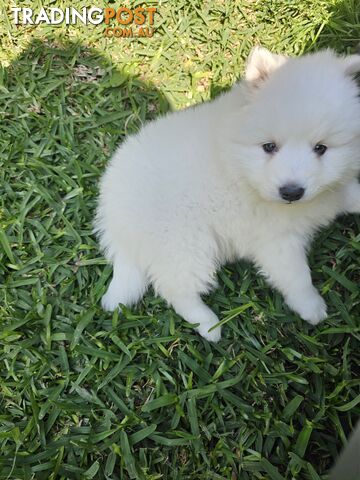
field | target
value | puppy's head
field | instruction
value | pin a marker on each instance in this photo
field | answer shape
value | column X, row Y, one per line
column 299, row 133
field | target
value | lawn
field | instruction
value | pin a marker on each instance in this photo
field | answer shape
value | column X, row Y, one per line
column 138, row 394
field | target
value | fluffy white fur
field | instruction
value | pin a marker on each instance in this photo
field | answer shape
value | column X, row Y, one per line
column 195, row 189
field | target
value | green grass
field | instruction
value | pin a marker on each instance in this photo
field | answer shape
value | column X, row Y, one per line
column 137, row 394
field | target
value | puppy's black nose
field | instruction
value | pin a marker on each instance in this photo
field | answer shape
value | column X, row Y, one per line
column 291, row 192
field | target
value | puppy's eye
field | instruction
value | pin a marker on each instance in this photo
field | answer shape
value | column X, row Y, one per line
column 320, row 149
column 270, row 147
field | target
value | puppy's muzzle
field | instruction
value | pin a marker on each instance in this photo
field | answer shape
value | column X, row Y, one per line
column 291, row 192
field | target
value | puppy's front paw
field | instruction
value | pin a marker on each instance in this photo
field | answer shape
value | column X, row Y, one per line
column 213, row 336
column 206, row 319
column 109, row 301
column 311, row 307
column 315, row 310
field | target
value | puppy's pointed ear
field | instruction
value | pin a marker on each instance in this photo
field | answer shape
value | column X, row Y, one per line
column 260, row 64
column 352, row 64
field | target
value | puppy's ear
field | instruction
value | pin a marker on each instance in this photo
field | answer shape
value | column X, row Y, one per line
column 352, row 64
column 260, row 64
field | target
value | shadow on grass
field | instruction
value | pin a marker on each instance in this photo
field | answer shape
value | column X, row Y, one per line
column 342, row 31
column 64, row 110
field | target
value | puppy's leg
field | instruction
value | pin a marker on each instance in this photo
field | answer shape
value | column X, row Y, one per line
column 285, row 265
column 127, row 285
column 180, row 284
column 194, row 310
column 182, row 272
column 352, row 197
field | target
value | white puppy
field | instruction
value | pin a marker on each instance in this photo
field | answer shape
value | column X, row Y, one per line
column 250, row 175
